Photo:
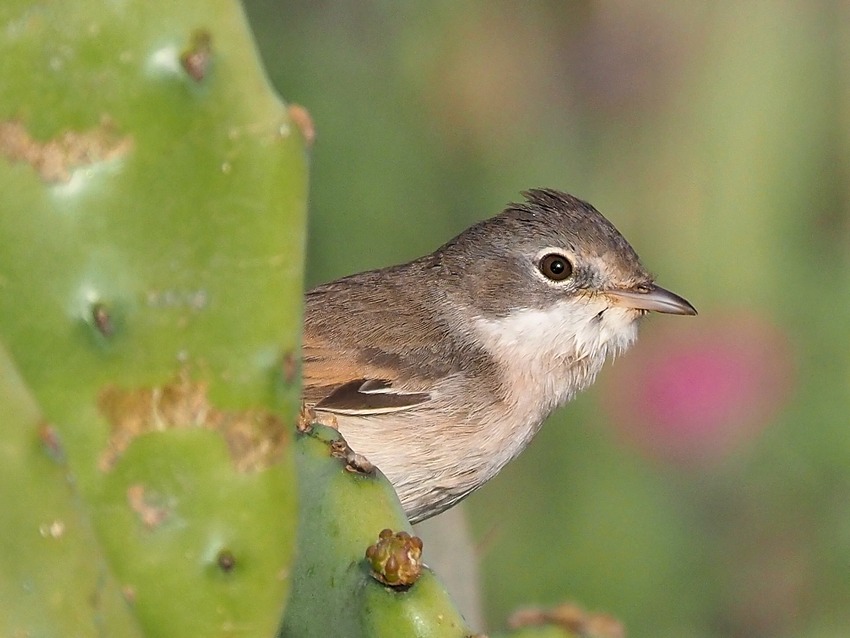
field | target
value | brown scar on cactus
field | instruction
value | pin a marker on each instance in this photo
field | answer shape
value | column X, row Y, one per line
column 151, row 508
column 289, row 364
column 301, row 117
column 129, row 593
column 354, row 462
column 255, row 438
column 395, row 559
column 49, row 438
column 306, row 419
column 571, row 617
column 56, row 158
column 197, row 58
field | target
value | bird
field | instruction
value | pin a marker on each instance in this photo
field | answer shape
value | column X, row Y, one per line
column 441, row 370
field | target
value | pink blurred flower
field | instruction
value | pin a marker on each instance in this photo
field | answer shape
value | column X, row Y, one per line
column 699, row 389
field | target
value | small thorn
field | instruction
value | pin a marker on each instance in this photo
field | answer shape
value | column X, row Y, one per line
column 102, row 319
column 226, row 560
column 196, row 59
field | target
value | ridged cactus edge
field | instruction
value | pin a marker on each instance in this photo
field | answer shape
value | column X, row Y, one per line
column 346, row 506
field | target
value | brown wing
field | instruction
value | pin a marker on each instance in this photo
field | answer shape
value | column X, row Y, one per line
column 337, row 381
column 374, row 345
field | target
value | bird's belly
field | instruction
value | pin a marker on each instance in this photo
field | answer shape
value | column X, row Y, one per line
column 435, row 461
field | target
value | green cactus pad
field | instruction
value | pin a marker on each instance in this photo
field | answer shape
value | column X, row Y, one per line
column 151, row 247
column 342, row 512
column 54, row 579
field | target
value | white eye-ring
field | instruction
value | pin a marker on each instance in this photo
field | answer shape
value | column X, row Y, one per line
column 554, row 265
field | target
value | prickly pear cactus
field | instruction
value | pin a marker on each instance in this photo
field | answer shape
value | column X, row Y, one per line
column 151, row 241
column 567, row 620
column 542, row 631
column 359, row 570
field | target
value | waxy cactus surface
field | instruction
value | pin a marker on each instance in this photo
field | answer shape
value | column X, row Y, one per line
column 151, row 247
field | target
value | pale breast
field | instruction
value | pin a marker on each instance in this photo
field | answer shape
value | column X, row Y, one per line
column 547, row 356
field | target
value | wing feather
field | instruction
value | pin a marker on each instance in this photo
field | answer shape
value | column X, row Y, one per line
column 335, row 381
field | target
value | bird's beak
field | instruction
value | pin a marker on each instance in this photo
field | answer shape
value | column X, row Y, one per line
column 655, row 298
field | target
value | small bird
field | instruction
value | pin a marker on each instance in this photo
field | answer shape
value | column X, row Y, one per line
column 441, row 370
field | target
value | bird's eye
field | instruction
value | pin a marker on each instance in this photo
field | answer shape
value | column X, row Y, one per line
column 555, row 266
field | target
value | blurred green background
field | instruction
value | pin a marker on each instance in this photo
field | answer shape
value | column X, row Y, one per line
column 702, row 487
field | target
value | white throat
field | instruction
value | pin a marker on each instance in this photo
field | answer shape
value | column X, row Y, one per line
column 547, row 356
